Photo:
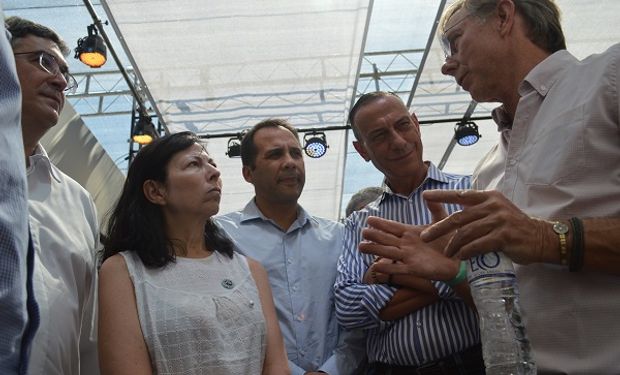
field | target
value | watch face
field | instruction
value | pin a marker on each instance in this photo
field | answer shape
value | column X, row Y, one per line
column 560, row 228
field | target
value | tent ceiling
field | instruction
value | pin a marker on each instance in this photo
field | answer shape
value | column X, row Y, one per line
column 214, row 66
column 219, row 67
column 298, row 60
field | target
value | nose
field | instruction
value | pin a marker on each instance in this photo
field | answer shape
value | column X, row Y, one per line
column 449, row 66
column 398, row 141
column 213, row 174
column 58, row 81
column 289, row 161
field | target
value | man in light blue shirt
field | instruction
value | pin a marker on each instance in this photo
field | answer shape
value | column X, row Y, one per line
column 18, row 310
column 299, row 252
column 414, row 326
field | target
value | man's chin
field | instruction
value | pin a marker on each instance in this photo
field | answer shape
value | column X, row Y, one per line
column 478, row 96
column 46, row 122
column 290, row 194
column 49, row 116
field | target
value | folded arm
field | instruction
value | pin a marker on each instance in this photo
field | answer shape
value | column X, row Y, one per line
column 413, row 292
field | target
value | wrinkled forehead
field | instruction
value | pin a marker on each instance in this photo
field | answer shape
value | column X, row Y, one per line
column 32, row 43
column 379, row 112
column 274, row 137
column 197, row 149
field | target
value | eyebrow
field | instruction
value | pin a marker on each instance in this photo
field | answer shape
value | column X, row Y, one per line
column 64, row 68
column 403, row 118
column 281, row 149
column 375, row 132
column 274, row 150
column 200, row 155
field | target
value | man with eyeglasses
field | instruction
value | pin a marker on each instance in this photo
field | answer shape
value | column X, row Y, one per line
column 63, row 221
column 551, row 199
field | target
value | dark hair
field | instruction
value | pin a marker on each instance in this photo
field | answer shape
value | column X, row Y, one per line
column 360, row 199
column 542, row 18
column 136, row 224
column 248, row 147
column 21, row 27
column 365, row 99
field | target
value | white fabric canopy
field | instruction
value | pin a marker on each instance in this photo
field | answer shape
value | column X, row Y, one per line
column 220, row 67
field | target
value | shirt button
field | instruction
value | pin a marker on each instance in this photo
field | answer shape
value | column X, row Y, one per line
column 290, row 261
column 418, row 324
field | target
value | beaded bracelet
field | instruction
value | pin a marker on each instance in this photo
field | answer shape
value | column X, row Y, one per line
column 460, row 276
column 576, row 252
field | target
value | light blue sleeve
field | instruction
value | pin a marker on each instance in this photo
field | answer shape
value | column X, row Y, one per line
column 295, row 370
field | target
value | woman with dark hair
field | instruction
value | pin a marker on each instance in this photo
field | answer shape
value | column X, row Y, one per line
column 173, row 297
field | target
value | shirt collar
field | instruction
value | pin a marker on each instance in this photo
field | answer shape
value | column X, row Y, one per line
column 251, row 212
column 501, row 118
column 544, row 75
column 40, row 159
column 540, row 79
column 432, row 173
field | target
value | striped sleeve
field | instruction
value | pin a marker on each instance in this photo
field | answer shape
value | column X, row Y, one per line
column 358, row 304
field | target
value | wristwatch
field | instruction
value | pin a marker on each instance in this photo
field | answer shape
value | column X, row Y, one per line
column 561, row 229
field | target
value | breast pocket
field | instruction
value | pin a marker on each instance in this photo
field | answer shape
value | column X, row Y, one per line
column 557, row 153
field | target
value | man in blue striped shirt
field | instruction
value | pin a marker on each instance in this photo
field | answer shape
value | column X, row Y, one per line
column 414, row 325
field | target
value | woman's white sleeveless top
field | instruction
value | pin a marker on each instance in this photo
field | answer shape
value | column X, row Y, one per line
column 200, row 316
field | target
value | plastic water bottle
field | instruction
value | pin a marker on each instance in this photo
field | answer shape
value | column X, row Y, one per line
column 505, row 346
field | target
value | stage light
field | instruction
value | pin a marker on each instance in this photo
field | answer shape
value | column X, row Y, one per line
column 144, row 132
column 466, row 133
column 315, row 144
column 234, row 147
column 91, row 49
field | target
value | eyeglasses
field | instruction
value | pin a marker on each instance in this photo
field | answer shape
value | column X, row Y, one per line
column 49, row 63
column 446, row 44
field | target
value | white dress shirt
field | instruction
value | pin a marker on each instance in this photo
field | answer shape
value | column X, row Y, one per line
column 65, row 235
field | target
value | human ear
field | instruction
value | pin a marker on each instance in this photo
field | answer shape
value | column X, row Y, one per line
column 247, row 173
column 359, row 147
column 506, row 12
column 154, row 192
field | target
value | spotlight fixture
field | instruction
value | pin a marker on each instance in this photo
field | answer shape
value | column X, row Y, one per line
column 144, row 132
column 91, row 49
column 234, row 147
column 466, row 133
column 315, row 144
